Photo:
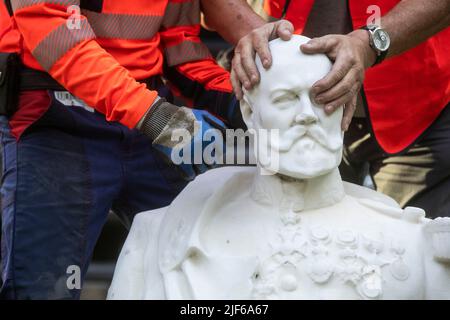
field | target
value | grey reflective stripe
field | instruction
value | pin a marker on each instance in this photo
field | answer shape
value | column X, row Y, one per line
column 182, row 14
column 186, row 51
column 19, row 4
column 123, row 26
column 59, row 42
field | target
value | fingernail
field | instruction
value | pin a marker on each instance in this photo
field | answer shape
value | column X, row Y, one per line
column 329, row 108
column 246, row 84
column 254, row 78
column 319, row 99
column 286, row 32
column 266, row 62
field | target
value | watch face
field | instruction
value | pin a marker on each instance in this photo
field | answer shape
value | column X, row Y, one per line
column 381, row 40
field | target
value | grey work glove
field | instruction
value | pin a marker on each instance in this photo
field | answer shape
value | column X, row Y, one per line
column 164, row 118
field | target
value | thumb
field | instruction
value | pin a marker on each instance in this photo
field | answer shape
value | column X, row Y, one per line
column 285, row 29
column 318, row 45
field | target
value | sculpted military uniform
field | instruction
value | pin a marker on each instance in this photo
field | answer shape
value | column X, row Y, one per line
column 285, row 229
column 364, row 247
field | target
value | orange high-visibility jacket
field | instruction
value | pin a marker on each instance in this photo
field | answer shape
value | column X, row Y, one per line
column 97, row 53
column 406, row 93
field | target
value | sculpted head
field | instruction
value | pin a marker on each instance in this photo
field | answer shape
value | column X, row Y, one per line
column 310, row 142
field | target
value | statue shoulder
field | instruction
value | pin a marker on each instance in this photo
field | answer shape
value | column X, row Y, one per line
column 360, row 192
column 204, row 186
column 384, row 204
column 437, row 230
column 131, row 268
column 184, row 212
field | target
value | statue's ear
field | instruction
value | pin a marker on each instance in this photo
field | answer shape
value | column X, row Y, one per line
column 247, row 112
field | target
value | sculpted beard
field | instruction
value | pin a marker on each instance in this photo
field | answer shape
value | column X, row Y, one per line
column 315, row 132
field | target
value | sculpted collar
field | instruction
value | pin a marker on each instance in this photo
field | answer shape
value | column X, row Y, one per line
column 288, row 194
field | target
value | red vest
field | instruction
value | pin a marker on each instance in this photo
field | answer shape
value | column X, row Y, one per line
column 406, row 93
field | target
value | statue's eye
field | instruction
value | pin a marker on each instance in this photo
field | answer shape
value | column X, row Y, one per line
column 285, row 98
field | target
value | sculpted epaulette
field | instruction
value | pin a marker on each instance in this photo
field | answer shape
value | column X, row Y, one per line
column 410, row 214
column 439, row 230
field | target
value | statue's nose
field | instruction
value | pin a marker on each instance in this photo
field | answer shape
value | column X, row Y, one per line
column 306, row 115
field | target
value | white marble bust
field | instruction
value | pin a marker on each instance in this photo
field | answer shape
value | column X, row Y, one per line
column 300, row 233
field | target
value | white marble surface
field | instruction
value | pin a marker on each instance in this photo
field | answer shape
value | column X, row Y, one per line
column 300, row 233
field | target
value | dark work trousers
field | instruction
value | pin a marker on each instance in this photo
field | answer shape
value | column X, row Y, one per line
column 419, row 177
column 59, row 182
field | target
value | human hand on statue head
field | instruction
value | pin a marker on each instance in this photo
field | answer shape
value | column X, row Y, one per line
column 351, row 55
column 244, row 71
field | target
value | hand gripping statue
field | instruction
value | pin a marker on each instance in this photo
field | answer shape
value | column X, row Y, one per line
column 300, row 233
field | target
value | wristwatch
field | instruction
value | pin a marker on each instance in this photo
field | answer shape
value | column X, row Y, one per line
column 379, row 41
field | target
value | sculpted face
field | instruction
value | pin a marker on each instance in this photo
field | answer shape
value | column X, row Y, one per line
column 310, row 142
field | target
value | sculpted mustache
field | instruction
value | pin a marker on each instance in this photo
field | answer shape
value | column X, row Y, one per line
column 297, row 132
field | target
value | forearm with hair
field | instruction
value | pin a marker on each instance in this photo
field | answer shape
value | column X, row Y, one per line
column 413, row 21
column 233, row 19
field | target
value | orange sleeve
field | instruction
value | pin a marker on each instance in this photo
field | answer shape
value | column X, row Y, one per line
column 71, row 55
column 185, row 53
column 189, row 66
